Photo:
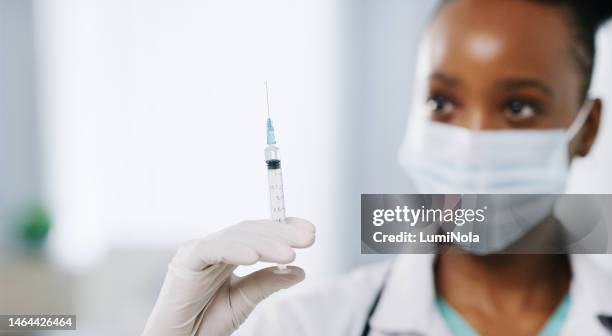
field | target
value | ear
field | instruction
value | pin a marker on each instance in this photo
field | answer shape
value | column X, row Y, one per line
column 588, row 133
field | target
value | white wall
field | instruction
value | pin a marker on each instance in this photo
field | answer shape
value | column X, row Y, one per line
column 380, row 56
column 155, row 114
column 19, row 141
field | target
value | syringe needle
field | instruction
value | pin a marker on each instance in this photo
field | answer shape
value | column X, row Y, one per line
column 267, row 98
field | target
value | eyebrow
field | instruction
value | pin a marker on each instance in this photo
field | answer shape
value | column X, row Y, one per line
column 506, row 84
column 446, row 79
column 514, row 84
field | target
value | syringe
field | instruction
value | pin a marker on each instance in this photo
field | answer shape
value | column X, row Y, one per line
column 275, row 175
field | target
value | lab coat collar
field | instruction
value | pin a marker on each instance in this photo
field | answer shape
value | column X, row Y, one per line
column 407, row 303
column 591, row 294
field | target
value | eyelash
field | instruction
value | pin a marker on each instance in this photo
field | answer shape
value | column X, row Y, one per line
column 506, row 106
column 435, row 99
column 535, row 107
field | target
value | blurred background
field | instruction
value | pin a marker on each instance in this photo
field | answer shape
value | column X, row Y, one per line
column 127, row 127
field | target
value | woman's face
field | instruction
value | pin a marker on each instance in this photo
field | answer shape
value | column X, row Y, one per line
column 500, row 64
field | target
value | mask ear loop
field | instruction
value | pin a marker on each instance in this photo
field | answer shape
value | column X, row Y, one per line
column 581, row 118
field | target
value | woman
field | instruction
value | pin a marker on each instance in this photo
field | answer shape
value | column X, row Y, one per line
column 494, row 67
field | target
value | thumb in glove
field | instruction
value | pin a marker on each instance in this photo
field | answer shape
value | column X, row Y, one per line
column 241, row 295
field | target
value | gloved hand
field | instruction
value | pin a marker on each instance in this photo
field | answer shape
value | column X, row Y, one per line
column 201, row 295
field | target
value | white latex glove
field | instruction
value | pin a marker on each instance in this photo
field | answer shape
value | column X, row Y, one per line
column 202, row 296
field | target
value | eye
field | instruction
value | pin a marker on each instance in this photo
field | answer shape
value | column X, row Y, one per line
column 518, row 110
column 440, row 105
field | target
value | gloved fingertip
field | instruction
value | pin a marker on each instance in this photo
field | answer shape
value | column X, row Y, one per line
column 310, row 241
column 304, row 240
column 290, row 277
column 301, row 224
column 297, row 272
column 285, row 256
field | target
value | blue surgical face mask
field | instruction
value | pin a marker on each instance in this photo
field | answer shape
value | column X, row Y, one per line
column 446, row 159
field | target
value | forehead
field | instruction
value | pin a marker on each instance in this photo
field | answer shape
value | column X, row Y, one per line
column 492, row 38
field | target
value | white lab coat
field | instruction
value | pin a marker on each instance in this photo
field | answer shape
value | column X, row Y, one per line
column 407, row 306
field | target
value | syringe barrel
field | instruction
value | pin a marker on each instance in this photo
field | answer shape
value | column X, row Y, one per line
column 275, row 184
